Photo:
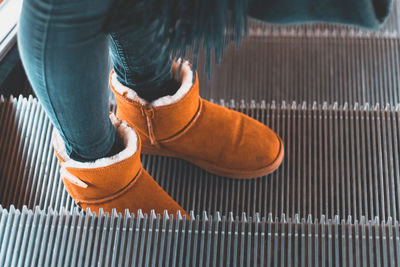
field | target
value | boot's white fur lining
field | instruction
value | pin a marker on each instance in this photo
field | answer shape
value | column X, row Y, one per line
column 185, row 79
column 127, row 135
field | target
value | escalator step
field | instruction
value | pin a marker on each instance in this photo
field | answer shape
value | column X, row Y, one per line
column 73, row 238
column 311, row 62
column 339, row 160
column 391, row 28
column 331, row 69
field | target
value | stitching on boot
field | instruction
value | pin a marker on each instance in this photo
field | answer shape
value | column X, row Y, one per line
column 116, row 194
column 187, row 126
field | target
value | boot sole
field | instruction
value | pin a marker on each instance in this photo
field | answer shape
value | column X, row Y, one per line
column 212, row 168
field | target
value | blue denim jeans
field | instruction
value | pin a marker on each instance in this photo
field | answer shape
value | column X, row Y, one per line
column 65, row 53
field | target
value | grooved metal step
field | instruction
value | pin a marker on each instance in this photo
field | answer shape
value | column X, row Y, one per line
column 311, row 62
column 332, row 69
column 391, row 28
column 339, row 160
column 72, row 238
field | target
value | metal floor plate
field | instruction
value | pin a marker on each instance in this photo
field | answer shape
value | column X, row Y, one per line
column 317, row 62
column 333, row 69
column 72, row 238
column 339, row 160
column 391, row 28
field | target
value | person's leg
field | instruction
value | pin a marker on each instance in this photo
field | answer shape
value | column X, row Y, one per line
column 140, row 65
column 65, row 54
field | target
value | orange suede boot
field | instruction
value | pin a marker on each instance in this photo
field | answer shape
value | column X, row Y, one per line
column 219, row 140
column 118, row 182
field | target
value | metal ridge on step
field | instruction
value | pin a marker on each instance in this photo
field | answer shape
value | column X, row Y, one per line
column 74, row 238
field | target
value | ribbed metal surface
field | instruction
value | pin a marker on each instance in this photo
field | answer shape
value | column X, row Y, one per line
column 339, row 160
column 29, row 171
column 38, row 238
column 390, row 29
column 317, row 62
column 332, row 69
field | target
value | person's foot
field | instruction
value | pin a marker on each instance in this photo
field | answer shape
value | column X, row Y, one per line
column 219, row 140
column 118, row 181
